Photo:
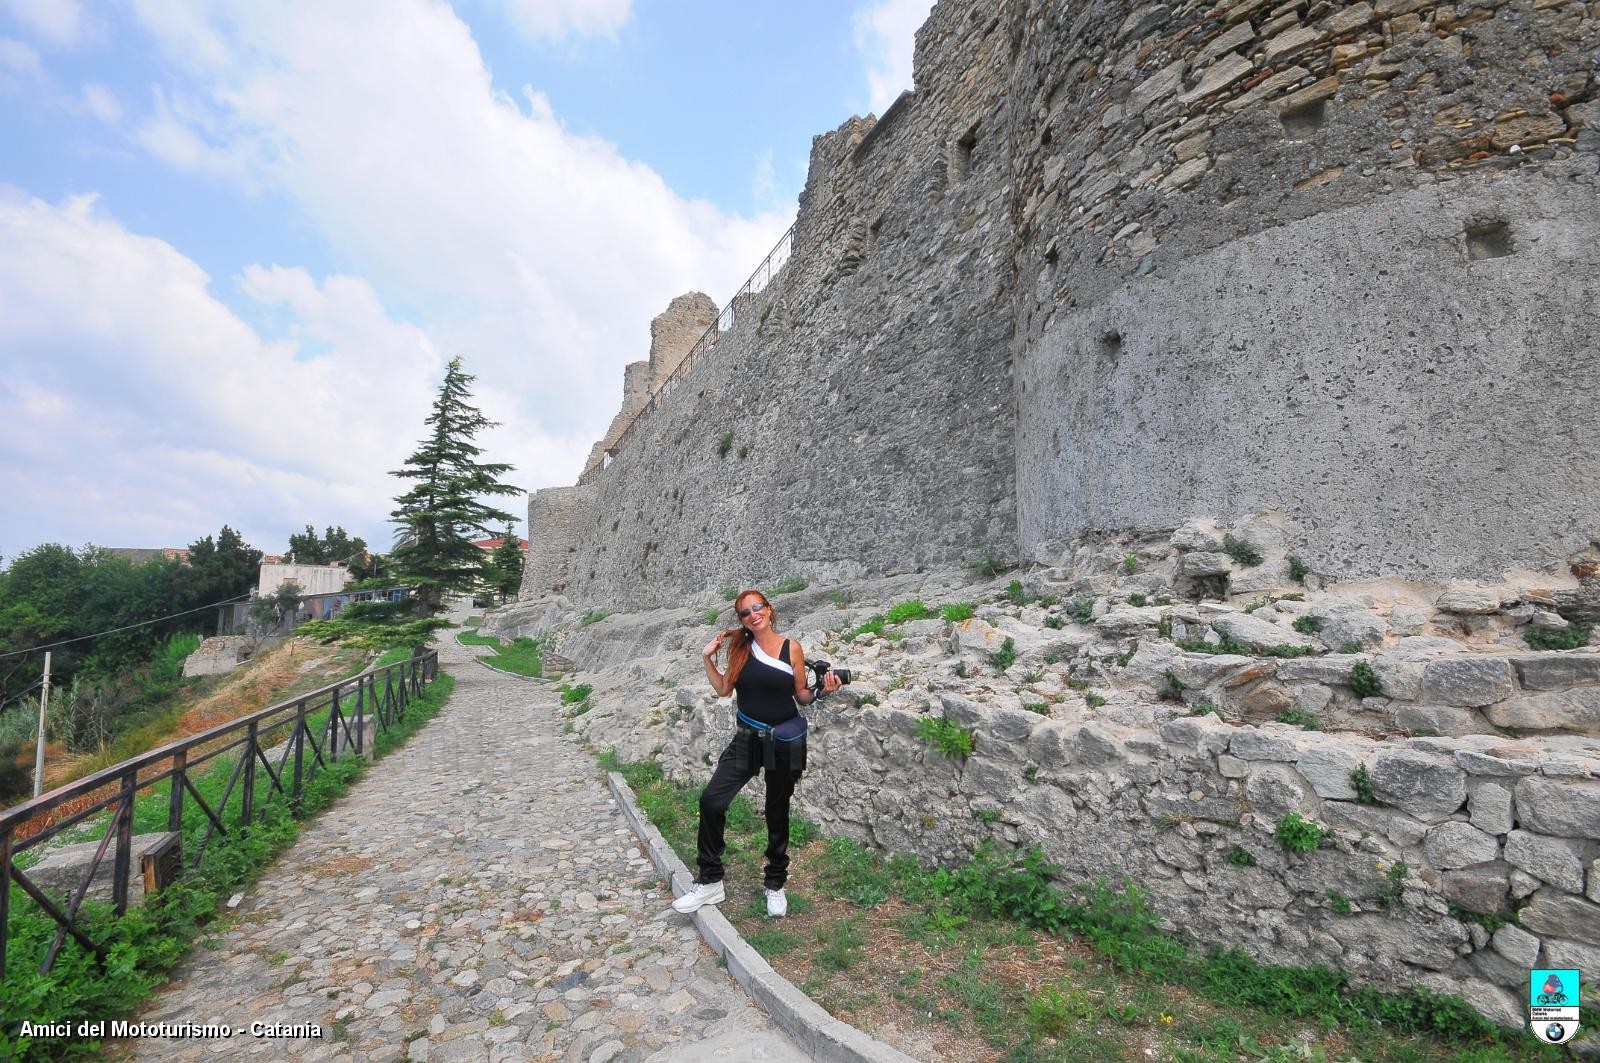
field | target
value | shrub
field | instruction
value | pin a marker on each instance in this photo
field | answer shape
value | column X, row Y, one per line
column 1239, row 856
column 1223, row 645
column 873, row 626
column 724, row 444
column 1308, row 625
column 1297, row 718
column 1137, row 600
column 1057, row 1010
column 839, row 598
column 1082, row 610
column 1298, row 834
column 594, row 616
column 1392, row 887
column 1005, row 656
column 1055, row 622
column 789, row 585
column 947, row 736
column 1015, row 593
column 912, row 610
column 1241, row 551
column 957, row 612
column 988, row 563
column 1338, row 902
column 1298, row 570
column 1130, row 564
column 1572, row 637
column 1094, row 700
column 712, row 614
column 744, row 451
column 1205, row 708
column 569, row 695
column 1171, row 688
column 1361, row 782
column 1364, row 681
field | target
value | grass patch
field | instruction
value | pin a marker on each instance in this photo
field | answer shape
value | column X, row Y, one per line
column 957, row 612
column 1364, row 681
column 1005, row 656
column 907, row 611
column 994, row 956
column 947, row 736
column 1241, row 551
column 789, row 585
column 1300, row 835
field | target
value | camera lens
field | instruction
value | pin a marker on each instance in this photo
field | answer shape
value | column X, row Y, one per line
column 843, row 674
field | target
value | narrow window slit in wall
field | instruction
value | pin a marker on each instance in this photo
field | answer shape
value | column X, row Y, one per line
column 1490, row 239
column 1301, row 122
column 1111, row 344
column 961, row 155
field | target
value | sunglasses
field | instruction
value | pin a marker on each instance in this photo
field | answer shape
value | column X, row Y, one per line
column 756, row 608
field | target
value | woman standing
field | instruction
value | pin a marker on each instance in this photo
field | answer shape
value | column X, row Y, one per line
column 767, row 672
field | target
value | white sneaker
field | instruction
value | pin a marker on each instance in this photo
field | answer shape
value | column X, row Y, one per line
column 700, row 894
column 777, row 904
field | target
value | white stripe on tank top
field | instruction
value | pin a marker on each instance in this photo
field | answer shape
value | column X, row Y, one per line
column 766, row 658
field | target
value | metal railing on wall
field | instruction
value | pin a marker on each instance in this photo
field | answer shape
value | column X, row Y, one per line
column 731, row 314
column 295, row 734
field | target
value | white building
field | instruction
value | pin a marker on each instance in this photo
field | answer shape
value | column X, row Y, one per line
column 309, row 579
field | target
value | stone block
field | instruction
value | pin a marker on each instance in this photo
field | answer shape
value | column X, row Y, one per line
column 1346, row 623
column 1129, row 620
column 1327, row 768
column 1199, row 670
column 1503, row 766
column 1312, row 697
column 1274, row 789
column 1097, row 746
column 1499, row 1005
column 1332, row 670
column 1468, row 602
column 1456, row 844
column 1198, row 535
column 1154, row 89
column 1560, row 807
column 1260, row 634
column 1479, row 889
column 1559, row 952
column 1232, row 767
column 1390, row 940
column 1205, row 563
column 1399, row 828
column 1291, row 41
column 1471, row 682
column 1489, row 805
column 1406, row 620
column 1554, row 913
column 1218, row 76
column 1435, row 719
column 1400, row 678
column 1551, row 860
column 1347, row 19
column 1427, row 786
column 1557, row 671
column 1516, row 945
column 1252, row 743
column 1577, row 709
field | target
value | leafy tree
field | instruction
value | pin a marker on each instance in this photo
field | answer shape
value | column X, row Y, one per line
column 334, row 546
column 440, row 514
column 505, row 565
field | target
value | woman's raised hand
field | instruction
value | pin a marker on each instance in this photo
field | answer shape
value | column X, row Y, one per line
column 714, row 645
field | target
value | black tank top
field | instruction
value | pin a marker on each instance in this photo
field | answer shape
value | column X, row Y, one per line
column 764, row 690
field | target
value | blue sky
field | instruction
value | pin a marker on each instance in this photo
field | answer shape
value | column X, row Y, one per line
column 239, row 241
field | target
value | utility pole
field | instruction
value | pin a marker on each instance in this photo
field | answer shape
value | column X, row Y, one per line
column 44, row 703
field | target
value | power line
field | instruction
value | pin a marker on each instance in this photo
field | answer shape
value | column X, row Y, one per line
column 125, row 627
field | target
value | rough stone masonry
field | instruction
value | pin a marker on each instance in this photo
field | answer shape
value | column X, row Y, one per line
column 1129, row 279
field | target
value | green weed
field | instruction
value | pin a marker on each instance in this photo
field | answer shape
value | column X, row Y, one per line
column 1298, row 834
column 947, row 736
column 1364, row 681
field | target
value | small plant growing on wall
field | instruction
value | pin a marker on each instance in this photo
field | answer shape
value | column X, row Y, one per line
column 1570, row 638
column 957, row 612
column 1241, row 551
column 724, row 444
column 947, row 736
column 1298, row 570
column 1298, row 834
column 1005, row 656
column 1308, row 625
column 1130, row 564
column 1239, row 856
column 1361, row 782
column 1364, row 681
column 988, row 563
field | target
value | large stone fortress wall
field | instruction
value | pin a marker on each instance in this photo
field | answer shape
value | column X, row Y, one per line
column 1112, row 266
column 1332, row 259
column 857, row 418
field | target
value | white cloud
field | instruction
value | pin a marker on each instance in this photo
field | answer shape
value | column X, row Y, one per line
column 102, row 103
column 886, row 37
column 134, row 402
column 540, row 20
column 19, row 59
column 538, row 255
column 59, row 22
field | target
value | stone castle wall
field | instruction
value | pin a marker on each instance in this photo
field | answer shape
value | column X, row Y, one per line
column 858, row 416
column 1312, row 258
column 1109, row 267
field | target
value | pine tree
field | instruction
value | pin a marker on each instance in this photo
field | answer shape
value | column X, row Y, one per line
column 435, row 552
column 505, row 574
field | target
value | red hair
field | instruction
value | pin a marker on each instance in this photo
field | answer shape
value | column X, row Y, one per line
column 739, row 648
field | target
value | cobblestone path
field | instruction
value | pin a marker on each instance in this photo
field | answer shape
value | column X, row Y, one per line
column 477, row 897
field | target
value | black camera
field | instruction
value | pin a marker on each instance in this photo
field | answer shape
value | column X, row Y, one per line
column 820, row 670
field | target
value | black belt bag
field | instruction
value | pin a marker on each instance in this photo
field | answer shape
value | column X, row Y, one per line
column 783, row 748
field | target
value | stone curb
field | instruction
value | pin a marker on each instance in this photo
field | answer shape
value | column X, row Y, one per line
column 825, row 1038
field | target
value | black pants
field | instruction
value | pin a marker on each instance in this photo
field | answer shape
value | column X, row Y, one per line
column 739, row 764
